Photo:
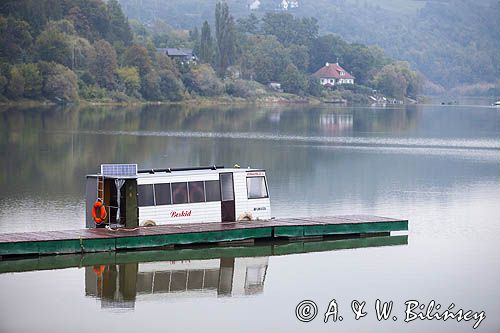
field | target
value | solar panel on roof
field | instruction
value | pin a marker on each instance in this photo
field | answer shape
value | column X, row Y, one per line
column 124, row 170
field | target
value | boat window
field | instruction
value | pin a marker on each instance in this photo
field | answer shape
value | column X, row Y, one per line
column 179, row 193
column 256, row 187
column 162, row 194
column 212, row 190
column 145, row 196
column 196, row 192
column 227, row 186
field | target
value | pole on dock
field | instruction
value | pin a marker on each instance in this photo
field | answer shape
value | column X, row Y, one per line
column 131, row 207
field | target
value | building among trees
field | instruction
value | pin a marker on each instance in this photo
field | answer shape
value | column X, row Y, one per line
column 289, row 4
column 333, row 74
column 183, row 54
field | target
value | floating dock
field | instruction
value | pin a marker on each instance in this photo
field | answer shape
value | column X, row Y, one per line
column 104, row 240
column 200, row 252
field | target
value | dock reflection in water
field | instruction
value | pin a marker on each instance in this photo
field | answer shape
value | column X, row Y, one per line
column 206, row 272
column 120, row 279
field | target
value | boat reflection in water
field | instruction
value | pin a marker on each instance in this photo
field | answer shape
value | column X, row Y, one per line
column 119, row 285
column 199, row 272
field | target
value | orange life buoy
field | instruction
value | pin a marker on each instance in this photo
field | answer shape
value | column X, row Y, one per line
column 99, row 212
column 98, row 270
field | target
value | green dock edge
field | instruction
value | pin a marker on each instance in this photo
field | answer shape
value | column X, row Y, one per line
column 201, row 253
column 55, row 247
column 339, row 229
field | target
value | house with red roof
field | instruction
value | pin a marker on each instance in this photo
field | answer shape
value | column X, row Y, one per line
column 333, row 74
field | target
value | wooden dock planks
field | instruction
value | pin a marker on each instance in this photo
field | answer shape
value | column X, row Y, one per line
column 103, row 240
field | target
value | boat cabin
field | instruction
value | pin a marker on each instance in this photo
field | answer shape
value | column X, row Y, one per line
column 122, row 196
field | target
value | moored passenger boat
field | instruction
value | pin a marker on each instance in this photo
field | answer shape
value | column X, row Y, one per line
column 121, row 195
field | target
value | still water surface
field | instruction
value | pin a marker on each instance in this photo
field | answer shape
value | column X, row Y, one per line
column 438, row 166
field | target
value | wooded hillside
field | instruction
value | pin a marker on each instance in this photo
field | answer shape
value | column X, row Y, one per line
column 452, row 42
column 63, row 50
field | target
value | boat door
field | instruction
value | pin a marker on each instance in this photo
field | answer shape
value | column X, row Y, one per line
column 228, row 211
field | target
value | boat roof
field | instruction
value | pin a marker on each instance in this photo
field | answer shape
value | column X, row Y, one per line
column 173, row 172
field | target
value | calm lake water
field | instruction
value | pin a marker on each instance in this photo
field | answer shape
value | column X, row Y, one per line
column 438, row 166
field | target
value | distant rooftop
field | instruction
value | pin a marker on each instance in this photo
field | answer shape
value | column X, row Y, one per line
column 176, row 52
column 333, row 71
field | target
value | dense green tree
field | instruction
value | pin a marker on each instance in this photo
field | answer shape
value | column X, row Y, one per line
column 413, row 79
column 327, row 48
column 391, row 80
column 129, row 79
column 53, row 44
column 314, row 87
column 137, row 56
column 299, row 55
column 82, row 52
column 203, row 80
column 264, row 59
column 249, row 25
column 3, row 84
column 64, row 26
column 138, row 28
column 150, row 86
column 15, row 87
column 195, row 39
column 225, row 34
column 104, row 66
column 289, row 29
column 171, row 88
column 152, row 51
column 15, row 39
column 32, row 80
column 164, row 62
column 206, row 52
column 97, row 15
column 293, row 81
column 361, row 61
column 244, row 88
column 119, row 30
column 80, row 21
column 59, row 82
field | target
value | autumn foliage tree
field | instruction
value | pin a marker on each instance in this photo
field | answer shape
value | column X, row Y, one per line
column 104, row 65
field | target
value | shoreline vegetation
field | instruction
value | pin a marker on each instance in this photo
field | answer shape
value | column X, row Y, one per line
column 88, row 52
column 278, row 98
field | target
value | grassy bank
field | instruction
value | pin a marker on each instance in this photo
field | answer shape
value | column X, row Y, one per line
column 278, row 98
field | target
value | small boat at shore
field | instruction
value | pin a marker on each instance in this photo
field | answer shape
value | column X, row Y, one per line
column 496, row 104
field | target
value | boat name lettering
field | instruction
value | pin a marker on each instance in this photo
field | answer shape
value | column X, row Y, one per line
column 182, row 213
